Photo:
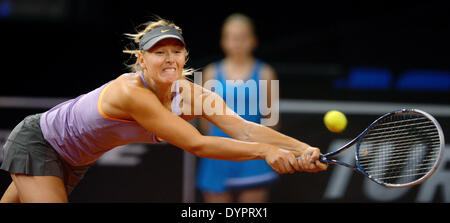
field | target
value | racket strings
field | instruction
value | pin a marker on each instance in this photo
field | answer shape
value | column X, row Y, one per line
column 405, row 139
column 396, row 157
column 399, row 160
column 400, row 149
column 400, row 132
column 402, row 145
column 374, row 170
column 412, row 120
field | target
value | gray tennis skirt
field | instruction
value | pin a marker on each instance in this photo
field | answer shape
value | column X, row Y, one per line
column 27, row 152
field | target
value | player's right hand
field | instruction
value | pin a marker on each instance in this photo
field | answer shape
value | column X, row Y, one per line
column 309, row 161
column 282, row 161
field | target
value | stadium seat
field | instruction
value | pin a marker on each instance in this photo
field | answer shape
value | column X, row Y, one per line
column 424, row 80
column 366, row 78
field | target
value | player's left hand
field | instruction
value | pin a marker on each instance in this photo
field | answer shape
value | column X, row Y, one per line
column 309, row 161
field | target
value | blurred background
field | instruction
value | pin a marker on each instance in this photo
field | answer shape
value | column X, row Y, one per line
column 364, row 59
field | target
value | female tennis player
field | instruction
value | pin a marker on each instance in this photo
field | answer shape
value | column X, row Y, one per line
column 47, row 154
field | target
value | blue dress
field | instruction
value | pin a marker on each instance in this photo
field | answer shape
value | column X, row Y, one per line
column 220, row 175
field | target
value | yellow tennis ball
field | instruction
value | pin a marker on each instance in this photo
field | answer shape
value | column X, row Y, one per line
column 335, row 121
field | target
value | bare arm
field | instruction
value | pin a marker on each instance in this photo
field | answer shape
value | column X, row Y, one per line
column 238, row 128
column 241, row 129
column 144, row 107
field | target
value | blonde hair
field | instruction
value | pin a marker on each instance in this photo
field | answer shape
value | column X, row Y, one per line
column 145, row 28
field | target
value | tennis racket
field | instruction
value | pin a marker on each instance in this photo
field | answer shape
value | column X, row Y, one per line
column 400, row 149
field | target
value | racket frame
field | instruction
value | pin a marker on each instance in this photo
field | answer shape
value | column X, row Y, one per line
column 357, row 167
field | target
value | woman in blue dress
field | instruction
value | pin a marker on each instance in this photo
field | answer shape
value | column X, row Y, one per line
column 234, row 181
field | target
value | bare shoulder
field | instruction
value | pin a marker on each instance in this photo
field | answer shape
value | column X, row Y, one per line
column 127, row 85
column 268, row 72
column 123, row 93
column 129, row 80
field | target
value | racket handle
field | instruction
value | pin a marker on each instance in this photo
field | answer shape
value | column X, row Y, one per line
column 322, row 159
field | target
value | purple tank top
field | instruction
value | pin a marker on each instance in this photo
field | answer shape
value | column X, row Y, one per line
column 80, row 132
